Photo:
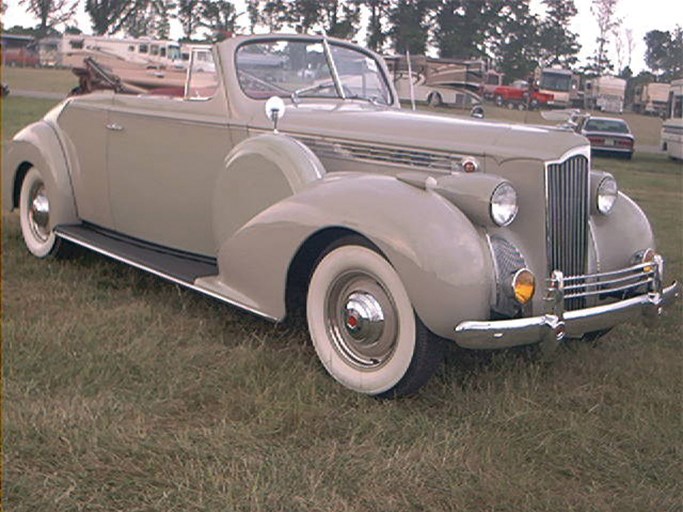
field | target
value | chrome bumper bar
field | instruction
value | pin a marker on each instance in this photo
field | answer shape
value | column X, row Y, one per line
column 557, row 323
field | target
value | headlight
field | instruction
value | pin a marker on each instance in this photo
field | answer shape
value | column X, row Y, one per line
column 503, row 204
column 607, row 195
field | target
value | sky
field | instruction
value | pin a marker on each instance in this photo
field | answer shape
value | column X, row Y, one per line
column 640, row 16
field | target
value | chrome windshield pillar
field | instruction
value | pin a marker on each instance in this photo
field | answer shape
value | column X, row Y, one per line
column 333, row 69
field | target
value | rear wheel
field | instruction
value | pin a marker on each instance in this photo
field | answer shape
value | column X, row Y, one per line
column 363, row 325
column 34, row 217
column 435, row 99
column 499, row 100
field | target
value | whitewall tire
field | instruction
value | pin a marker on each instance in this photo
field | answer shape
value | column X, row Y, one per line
column 34, row 217
column 363, row 325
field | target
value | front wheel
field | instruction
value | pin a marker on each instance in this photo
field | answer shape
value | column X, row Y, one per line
column 363, row 325
column 34, row 217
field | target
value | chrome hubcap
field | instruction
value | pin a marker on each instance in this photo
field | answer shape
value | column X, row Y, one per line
column 362, row 320
column 39, row 212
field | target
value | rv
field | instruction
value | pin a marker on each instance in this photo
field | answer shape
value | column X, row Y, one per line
column 145, row 63
column 672, row 128
column 651, row 99
column 449, row 82
column 146, row 52
column 605, row 93
column 556, row 82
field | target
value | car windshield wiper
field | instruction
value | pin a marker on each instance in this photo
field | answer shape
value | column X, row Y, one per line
column 371, row 99
column 311, row 88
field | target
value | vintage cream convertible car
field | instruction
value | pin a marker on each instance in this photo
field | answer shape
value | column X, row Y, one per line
column 400, row 230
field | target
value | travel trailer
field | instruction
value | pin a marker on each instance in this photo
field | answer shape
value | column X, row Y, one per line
column 651, row 99
column 672, row 128
column 605, row 93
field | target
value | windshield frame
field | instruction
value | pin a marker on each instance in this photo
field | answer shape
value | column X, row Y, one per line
column 326, row 42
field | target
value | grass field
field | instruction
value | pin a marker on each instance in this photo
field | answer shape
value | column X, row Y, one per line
column 124, row 392
column 39, row 79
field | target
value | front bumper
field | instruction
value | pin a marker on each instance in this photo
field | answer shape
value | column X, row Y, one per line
column 557, row 323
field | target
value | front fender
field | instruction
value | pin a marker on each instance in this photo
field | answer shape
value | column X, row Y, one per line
column 38, row 146
column 622, row 233
column 441, row 258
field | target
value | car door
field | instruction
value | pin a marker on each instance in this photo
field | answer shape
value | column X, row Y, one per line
column 83, row 126
column 164, row 154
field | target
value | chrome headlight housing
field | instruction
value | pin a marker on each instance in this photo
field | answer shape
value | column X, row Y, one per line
column 608, row 191
column 503, row 207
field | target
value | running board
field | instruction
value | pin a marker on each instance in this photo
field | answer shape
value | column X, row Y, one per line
column 179, row 267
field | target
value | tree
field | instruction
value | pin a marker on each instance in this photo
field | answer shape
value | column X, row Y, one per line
column 50, row 13
column 270, row 13
column 108, row 16
column 409, row 21
column 220, row 17
column 334, row 17
column 148, row 18
column 608, row 22
column 466, row 28
column 664, row 53
column 188, row 14
column 559, row 45
column 379, row 11
column 517, row 48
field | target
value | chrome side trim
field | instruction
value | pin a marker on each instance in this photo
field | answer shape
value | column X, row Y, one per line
column 165, row 276
column 411, row 158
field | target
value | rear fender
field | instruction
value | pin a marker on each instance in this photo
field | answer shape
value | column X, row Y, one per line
column 38, row 146
column 442, row 260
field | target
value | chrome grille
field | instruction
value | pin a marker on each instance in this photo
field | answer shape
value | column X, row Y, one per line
column 567, row 209
column 619, row 284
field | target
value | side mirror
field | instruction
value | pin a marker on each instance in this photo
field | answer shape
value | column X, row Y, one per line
column 275, row 110
column 477, row 112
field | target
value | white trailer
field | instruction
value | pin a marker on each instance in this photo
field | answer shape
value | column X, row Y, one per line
column 651, row 99
column 672, row 127
column 146, row 52
column 606, row 93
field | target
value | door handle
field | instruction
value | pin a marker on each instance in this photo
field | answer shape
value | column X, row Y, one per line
column 115, row 127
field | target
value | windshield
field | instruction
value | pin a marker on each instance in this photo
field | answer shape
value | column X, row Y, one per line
column 174, row 52
column 606, row 125
column 556, row 82
column 300, row 69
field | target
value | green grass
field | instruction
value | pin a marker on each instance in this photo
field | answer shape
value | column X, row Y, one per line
column 124, row 392
column 39, row 79
column 18, row 112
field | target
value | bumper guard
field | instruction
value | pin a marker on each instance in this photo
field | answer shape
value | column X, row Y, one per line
column 556, row 323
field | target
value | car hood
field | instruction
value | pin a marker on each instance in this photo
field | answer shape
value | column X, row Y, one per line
column 404, row 128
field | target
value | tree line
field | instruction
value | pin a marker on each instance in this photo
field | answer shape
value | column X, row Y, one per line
column 504, row 33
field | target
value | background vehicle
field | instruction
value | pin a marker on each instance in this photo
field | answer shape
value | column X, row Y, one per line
column 651, row 99
column 606, row 94
column 448, row 82
column 558, row 82
column 520, row 95
column 609, row 136
column 146, row 52
column 672, row 128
